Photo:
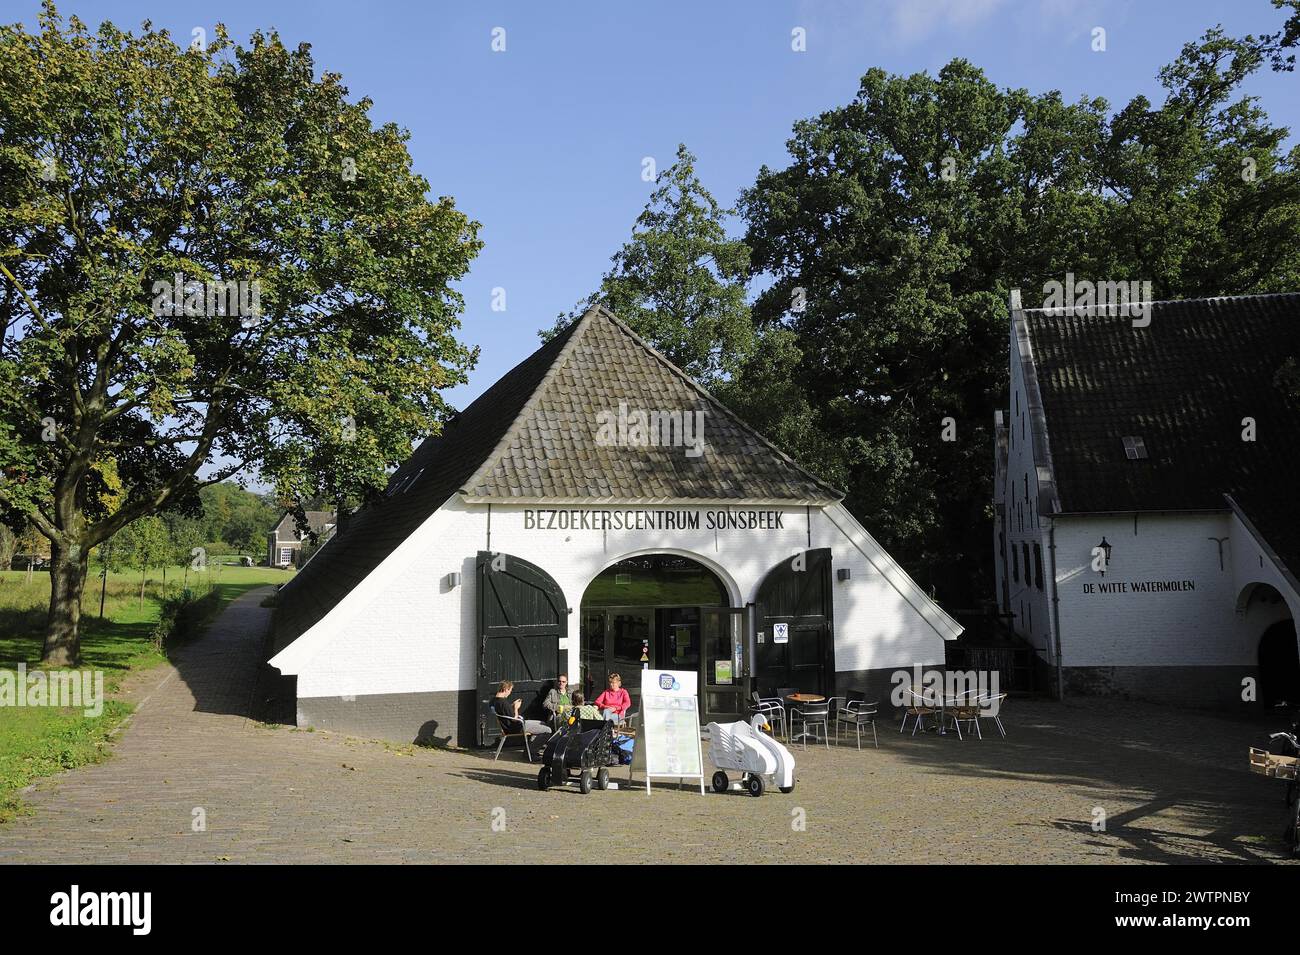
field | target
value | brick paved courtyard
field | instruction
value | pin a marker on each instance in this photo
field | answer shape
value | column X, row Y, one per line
column 1173, row 785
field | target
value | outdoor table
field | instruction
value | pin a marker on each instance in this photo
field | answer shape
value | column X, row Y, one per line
column 921, row 699
column 946, row 703
column 805, row 698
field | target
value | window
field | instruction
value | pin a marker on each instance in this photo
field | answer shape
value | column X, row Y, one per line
column 286, row 555
column 1015, row 564
column 1038, row 566
column 1134, row 448
column 1025, row 545
column 656, row 580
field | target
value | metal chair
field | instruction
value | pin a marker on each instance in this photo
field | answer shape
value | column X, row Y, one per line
column 772, row 708
column 994, row 704
column 966, row 710
column 813, row 714
column 783, row 694
column 915, row 704
column 854, row 710
column 513, row 726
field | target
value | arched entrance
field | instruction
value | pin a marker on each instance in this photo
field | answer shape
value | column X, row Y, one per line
column 1267, row 613
column 1279, row 665
column 665, row 612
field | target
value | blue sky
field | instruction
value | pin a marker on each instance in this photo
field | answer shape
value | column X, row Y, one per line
column 543, row 143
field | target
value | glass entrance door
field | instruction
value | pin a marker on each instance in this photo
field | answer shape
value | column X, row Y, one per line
column 614, row 641
column 724, row 670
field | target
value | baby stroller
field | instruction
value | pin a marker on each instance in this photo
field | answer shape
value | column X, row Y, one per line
column 578, row 744
column 756, row 755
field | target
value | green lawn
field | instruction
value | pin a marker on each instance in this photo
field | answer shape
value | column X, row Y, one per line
column 40, row 741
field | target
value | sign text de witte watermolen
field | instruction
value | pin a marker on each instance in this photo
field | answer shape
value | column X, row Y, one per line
column 579, row 519
column 1139, row 586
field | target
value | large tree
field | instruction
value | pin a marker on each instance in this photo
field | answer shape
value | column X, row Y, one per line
column 135, row 174
column 903, row 219
column 680, row 281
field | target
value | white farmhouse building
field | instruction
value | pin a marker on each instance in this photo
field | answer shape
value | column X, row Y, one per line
column 1147, row 497
column 531, row 538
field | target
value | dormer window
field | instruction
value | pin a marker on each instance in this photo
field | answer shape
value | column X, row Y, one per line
column 1134, row 448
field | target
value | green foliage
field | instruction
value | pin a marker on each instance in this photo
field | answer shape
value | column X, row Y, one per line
column 183, row 616
column 126, row 161
column 145, row 543
column 680, row 281
column 904, row 218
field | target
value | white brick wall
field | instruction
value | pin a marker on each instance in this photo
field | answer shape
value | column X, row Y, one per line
column 1185, row 628
column 1023, row 523
column 409, row 634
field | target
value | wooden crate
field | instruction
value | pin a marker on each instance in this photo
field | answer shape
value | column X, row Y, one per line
column 1269, row 764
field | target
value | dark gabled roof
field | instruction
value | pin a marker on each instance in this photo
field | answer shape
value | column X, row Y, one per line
column 1182, row 384
column 317, row 521
column 531, row 437
column 554, row 451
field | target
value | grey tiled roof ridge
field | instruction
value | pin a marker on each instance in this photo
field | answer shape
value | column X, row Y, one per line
column 1099, row 311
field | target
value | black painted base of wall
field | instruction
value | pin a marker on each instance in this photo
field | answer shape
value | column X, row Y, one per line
column 1214, row 687
column 448, row 717
column 876, row 685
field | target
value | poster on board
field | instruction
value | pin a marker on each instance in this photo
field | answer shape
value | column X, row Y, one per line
column 668, row 731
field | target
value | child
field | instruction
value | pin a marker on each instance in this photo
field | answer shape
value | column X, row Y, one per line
column 583, row 709
column 614, row 702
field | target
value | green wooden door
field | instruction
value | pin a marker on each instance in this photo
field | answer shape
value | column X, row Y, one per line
column 522, row 620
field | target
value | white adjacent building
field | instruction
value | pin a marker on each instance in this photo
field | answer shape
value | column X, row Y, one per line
column 572, row 520
column 1147, row 499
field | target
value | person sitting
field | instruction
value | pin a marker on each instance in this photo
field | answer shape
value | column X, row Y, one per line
column 614, row 702
column 583, row 709
column 557, row 698
column 507, row 710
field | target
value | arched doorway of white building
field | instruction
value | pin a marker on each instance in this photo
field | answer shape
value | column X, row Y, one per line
column 1279, row 665
column 1277, row 653
column 666, row 612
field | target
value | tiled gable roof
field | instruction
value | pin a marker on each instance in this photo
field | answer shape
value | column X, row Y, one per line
column 556, row 451
column 531, row 437
column 286, row 529
column 1183, row 385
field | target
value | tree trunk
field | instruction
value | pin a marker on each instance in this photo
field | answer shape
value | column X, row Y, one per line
column 68, row 565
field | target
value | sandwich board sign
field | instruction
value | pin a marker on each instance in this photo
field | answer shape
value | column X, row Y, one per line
column 668, row 731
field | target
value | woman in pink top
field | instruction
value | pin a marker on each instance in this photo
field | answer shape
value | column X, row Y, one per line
column 614, row 702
